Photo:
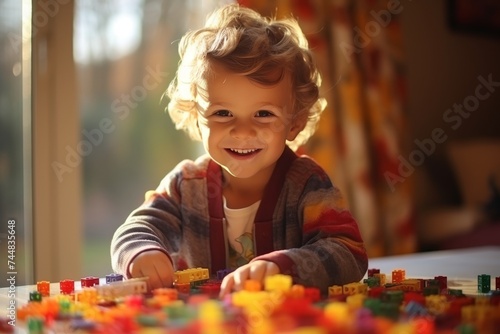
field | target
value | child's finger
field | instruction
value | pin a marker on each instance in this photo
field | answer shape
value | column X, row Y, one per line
column 226, row 286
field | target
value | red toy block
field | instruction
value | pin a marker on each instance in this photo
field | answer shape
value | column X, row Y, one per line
column 375, row 292
column 90, row 281
column 183, row 287
column 373, row 271
column 443, row 282
column 312, row 294
column 212, row 289
column 415, row 297
column 398, row 275
column 67, row 286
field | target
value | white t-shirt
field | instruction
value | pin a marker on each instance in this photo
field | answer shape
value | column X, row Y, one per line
column 239, row 231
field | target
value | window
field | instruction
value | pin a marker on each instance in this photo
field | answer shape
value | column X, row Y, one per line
column 15, row 144
column 126, row 55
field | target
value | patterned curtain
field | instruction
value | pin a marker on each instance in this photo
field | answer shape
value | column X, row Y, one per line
column 363, row 132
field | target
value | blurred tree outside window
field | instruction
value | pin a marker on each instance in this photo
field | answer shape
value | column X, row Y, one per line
column 126, row 55
column 15, row 139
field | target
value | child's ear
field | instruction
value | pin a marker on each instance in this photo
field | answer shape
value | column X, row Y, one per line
column 298, row 124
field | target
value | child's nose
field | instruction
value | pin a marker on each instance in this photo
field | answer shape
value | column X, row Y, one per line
column 242, row 130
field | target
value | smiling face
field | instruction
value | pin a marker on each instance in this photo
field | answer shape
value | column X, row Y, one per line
column 244, row 125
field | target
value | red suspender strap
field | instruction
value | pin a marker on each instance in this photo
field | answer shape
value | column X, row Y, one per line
column 216, row 211
column 263, row 226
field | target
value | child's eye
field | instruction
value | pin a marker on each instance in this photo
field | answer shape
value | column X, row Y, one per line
column 264, row 113
column 223, row 113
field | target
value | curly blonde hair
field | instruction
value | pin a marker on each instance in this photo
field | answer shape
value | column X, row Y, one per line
column 246, row 43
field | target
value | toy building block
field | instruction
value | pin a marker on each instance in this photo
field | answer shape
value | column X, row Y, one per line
column 35, row 296
column 389, row 310
column 482, row 316
column 67, row 286
column 281, row 283
column 398, row 275
column 456, row 305
column 222, row 273
column 414, row 297
column 43, row 287
column 338, row 312
column 121, row 289
column 436, row 304
column 376, row 292
column 252, row 285
column 90, row 281
column 381, row 277
column 392, row 296
column 495, row 299
column 415, row 309
column 483, row 283
column 167, row 292
column 412, row 284
column 296, row 291
column 183, row 287
column 373, row 271
column 36, row 325
column 335, row 290
column 431, row 290
column 64, row 307
column 134, row 301
column 5, row 326
column 354, row 288
column 372, row 281
column 113, row 277
column 349, row 289
column 312, row 294
column 87, row 295
column 431, row 287
column 442, row 282
column 211, row 288
column 193, row 276
column 211, row 316
column 356, row 301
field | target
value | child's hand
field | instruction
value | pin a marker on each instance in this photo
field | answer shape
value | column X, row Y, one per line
column 257, row 270
column 156, row 266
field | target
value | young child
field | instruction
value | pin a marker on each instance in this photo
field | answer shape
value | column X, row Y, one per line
column 248, row 89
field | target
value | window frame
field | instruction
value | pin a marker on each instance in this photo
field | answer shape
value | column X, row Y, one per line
column 57, row 233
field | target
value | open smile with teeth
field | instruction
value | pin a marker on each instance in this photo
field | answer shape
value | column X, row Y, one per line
column 244, row 151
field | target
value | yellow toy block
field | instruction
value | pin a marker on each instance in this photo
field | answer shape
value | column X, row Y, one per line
column 436, row 304
column 382, row 278
column 282, row 283
column 354, row 288
column 191, row 275
column 334, row 290
column 356, row 301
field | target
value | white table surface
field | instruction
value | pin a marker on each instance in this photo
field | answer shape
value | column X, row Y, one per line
column 460, row 263
column 461, row 266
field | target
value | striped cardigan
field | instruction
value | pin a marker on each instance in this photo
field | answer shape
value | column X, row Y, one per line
column 302, row 224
